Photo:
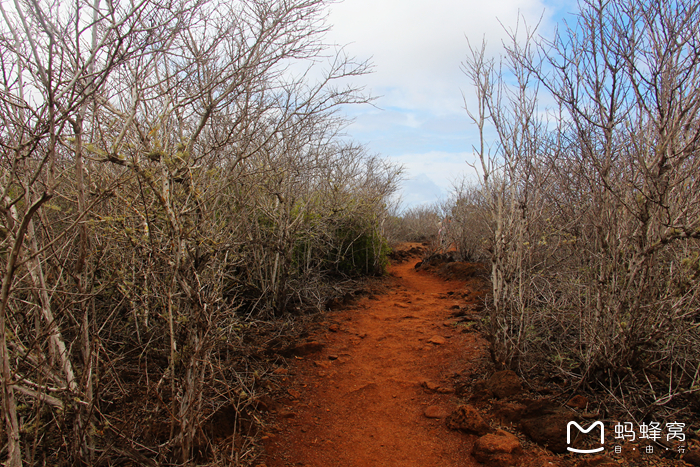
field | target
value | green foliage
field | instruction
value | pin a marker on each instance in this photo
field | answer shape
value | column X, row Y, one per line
column 361, row 253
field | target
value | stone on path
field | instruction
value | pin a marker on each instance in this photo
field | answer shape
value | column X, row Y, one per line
column 437, row 340
column 435, row 411
column 466, row 418
column 498, row 449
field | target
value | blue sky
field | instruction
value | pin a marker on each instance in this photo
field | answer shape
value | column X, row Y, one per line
column 416, row 47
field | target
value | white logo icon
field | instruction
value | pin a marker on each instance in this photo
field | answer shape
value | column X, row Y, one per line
column 580, row 428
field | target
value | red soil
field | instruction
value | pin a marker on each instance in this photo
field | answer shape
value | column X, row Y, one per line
column 362, row 400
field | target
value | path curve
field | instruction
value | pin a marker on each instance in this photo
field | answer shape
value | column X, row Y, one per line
column 389, row 359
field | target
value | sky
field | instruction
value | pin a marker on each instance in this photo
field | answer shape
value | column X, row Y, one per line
column 416, row 48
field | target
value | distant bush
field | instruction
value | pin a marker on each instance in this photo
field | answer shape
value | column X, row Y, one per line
column 417, row 224
column 467, row 227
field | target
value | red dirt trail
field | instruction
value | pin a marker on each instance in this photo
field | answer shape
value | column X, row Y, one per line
column 362, row 400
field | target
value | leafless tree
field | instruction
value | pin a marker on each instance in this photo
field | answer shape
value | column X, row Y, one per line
column 55, row 58
column 163, row 169
column 595, row 209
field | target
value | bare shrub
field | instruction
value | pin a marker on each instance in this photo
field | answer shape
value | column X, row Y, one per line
column 467, row 229
column 417, row 224
column 594, row 203
column 167, row 182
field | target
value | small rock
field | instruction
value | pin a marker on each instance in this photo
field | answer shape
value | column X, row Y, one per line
column 332, row 357
column 429, row 385
column 333, row 328
column 692, row 457
column 435, row 411
column 466, row 418
column 505, row 384
column 437, row 340
column 578, row 402
column 498, row 449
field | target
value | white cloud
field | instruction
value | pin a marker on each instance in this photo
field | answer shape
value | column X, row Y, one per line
column 417, row 48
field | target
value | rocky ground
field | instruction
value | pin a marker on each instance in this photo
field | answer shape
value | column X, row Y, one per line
column 403, row 377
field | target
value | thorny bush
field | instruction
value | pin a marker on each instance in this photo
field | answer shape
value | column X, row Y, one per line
column 593, row 204
column 168, row 184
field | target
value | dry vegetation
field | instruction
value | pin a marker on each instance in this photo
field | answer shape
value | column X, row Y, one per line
column 590, row 195
column 169, row 182
column 417, row 224
column 170, row 185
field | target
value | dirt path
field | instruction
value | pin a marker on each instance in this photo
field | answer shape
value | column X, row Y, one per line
column 378, row 392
